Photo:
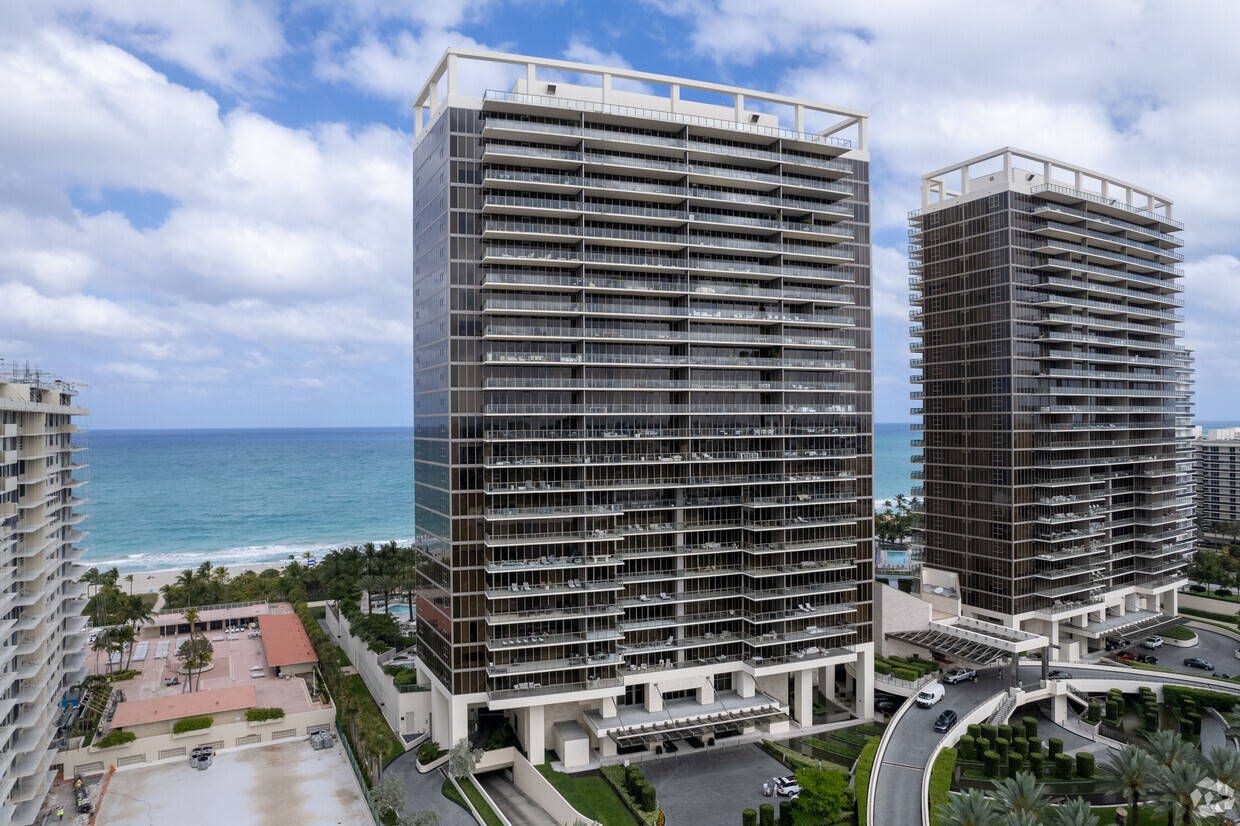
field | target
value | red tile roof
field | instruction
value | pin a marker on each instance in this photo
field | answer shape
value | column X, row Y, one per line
column 285, row 640
column 178, row 706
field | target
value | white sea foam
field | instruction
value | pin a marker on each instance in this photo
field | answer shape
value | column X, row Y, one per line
column 228, row 557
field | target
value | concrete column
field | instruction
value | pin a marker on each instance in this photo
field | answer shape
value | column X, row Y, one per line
column 706, row 694
column 865, row 680
column 1046, row 172
column 606, row 746
column 1171, row 602
column 418, row 113
column 451, row 75
column 1059, row 708
column 740, row 106
column 529, row 78
column 1077, row 178
column 803, row 702
column 460, row 722
column 745, row 683
column 675, row 96
column 654, row 700
column 799, row 117
column 534, row 733
column 964, row 180
column 607, row 707
column 441, row 719
column 826, row 681
column 863, row 134
column 606, row 88
column 1007, row 167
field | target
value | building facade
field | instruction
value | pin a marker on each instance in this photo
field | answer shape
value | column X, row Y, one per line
column 43, row 653
column 643, row 404
column 1216, row 455
column 1054, row 401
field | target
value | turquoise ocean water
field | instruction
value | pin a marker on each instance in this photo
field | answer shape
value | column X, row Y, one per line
column 170, row 499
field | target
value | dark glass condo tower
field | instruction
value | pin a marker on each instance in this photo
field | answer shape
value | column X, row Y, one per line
column 643, row 406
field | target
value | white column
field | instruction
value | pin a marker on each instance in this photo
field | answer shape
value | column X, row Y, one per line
column 529, row 78
column 418, row 113
column 460, row 721
column 745, row 684
column 1171, row 602
column 964, row 180
column 654, row 700
column 607, row 707
column 606, row 88
column 1059, row 709
column 534, row 734
column 863, row 134
column 1046, row 172
column 826, row 681
column 740, row 106
column 441, row 719
column 706, row 694
column 675, row 97
column 799, row 117
column 803, row 709
column 1007, row 167
column 451, row 75
column 865, row 680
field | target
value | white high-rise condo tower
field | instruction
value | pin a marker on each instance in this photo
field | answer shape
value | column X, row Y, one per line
column 40, row 617
column 1055, row 402
column 643, row 406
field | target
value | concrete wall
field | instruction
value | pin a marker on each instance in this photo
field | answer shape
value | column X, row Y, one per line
column 894, row 611
column 406, row 713
column 160, row 746
column 537, row 788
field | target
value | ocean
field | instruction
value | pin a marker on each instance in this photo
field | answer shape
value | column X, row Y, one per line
column 170, row 499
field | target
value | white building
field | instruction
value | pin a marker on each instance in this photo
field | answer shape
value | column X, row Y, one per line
column 1216, row 455
column 643, row 408
column 42, row 625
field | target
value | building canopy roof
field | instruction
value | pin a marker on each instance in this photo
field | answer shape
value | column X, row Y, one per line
column 285, row 641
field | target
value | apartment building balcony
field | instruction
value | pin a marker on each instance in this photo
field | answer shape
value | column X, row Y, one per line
column 1102, row 223
column 1078, row 235
column 622, row 284
column 1104, row 323
column 630, row 336
column 1074, row 570
column 1090, row 589
column 550, row 512
column 659, row 360
column 1105, row 274
column 704, row 385
column 566, row 537
column 499, row 698
column 1106, row 257
column 1055, row 300
column 657, row 454
column 1109, row 207
column 564, row 664
column 675, row 409
column 548, row 640
column 1080, row 285
column 754, row 572
column 548, row 613
column 509, row 435
column 525, row 589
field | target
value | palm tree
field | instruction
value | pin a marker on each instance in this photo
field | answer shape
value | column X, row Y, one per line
column 1179, row 792
column 99, row 645
column 1223, row 764
column 129, row 579
column 110, row 577
column 187, row 580
column 409, row 584
column 972, row 808
column 1022, row 793
column 1075, row 811
column 1129, row 772
column 126, row 635
column 91, row 577
column 1169, row 747
column 901, row 502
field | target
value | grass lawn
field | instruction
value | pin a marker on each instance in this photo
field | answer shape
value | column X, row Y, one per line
column 592, row 796
column 475, row 797
column 1179, row 633
column 449, row 791
column 1106, row 815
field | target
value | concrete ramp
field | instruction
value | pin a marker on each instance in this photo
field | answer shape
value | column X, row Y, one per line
column 517, row 808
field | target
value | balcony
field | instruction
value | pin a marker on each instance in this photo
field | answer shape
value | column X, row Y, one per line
column 1108, row 206
column 539, row 666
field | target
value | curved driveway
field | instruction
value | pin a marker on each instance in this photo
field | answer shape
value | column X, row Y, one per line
column 897, row 781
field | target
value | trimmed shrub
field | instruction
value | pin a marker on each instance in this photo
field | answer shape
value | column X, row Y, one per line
column 1035, row 745
column 648, row 800
column 906, row 674
column 258, row 715
column 990, row 732
column 192, row 724
column 1005, row 732
column 1031, row 726
column 1113, row 711
column 749, row 818
column 1084, row 764
column 115, row 738
column 980, row 748
column 1016, row 763
column 785, row 813
column 766, row 815
column 1002, row 746
column 1020, row 746
column 1054, row 746
column 1193, row 722
column 1037, row 764
column 990, row 764
column 975, row 730
column 879, row 668
column 632, row 776
column 1093, row 714
column 1064, row 765
column 965, row 747
column 1149, row 720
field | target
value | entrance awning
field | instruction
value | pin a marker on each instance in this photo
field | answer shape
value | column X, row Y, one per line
column 702, row 727
column 972, row 652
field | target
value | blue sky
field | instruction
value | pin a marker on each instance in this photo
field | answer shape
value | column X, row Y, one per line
column 205, row 208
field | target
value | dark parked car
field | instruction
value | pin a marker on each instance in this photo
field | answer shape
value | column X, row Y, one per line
column 1148, row 659
column 1197, row 662
column 887, row 705
column 946, row 720
column 1059, row 675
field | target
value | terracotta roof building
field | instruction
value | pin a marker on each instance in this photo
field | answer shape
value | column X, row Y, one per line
column 286, row 643
column 180, row 706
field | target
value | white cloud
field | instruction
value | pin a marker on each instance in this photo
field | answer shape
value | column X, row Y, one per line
column 130, row 371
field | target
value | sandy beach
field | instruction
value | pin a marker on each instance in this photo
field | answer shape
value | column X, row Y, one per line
column 150, row 582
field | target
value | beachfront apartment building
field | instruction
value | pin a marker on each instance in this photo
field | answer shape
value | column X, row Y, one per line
column 642, row 325
column 41, row 466
column 1216, row 464
column 1054, row 397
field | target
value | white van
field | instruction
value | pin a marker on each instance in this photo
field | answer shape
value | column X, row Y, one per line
column 930, row 695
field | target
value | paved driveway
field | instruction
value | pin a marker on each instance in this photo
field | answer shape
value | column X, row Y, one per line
column 516, row 806
column 714, row 785
column 1211, row 646
column 422, row 791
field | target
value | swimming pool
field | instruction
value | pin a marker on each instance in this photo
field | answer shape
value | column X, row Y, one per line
column 402, row 611
column 897, row 557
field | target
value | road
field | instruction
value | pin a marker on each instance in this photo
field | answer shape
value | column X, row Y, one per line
column 1211, row 646
column 897, row 781
column 721, row 782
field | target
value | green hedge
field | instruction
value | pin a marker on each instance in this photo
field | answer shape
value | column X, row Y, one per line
column 1064, row 765
column 1230, row 619
column 1174, row 696
column 749, row 817
column 1037, row 764
column 258, row 715
column 990, row 762
column 861, row 777
column 1084, row 764
column 192, row 724
column 116, row 738
column 906, row 674
column 966, row 747
column 1179, row 633
column 940, row 782
column 880, row 667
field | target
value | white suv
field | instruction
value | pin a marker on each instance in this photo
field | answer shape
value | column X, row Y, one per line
column 1153, row 642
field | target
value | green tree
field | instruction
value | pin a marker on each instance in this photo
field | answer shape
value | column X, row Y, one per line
column 1129, row 772
column 824, row 797
column 462, row 759
column 129, row 579
column 196, row 654
column 1022, row 793
column 1074, row 811
column 126, row 635
column 1168, row 748
column 1180, row 791
column 91, row 577
column 426, row 817
column 972, row 808
column 389, row 795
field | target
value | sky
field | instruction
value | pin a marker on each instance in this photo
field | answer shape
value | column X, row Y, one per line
column 205, row 207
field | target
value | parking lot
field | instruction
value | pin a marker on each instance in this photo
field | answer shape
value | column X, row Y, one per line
column 1211, row 646
column 713, row 786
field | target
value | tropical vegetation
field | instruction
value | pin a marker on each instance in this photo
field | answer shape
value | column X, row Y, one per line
column 897, row 524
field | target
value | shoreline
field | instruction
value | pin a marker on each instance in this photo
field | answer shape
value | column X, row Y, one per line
column 150, row 582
